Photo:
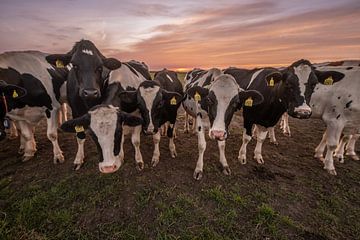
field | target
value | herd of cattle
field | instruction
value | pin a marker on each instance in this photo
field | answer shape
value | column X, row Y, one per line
column 110, row 99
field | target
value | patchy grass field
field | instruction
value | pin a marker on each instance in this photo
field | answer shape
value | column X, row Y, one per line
column 289, row 197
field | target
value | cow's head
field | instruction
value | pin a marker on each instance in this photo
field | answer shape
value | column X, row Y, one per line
column 106, row 123
column 221, row 101
column 299, row 81
column 86, row 66
column 9, row 94
column 152, row 101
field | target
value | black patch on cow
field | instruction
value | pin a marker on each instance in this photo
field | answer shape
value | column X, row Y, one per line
column 301, row 62
column 199, row 129
column 337, row 117
column 347, row 105
column 170, row 132
column 139, row 67
column 47, row 112
column 117, row 136
column 339, row 97
column 348, row 68
column 58, row 77
column 199, row 114
column 81, row 135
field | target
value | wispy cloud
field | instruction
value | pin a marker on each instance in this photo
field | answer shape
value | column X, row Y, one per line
column 186, row 34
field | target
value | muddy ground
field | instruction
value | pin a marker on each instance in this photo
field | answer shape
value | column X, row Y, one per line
column 289, row 197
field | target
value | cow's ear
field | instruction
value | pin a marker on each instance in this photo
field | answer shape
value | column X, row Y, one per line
column 12, row 91
column 111, row 63
column 128, row 97
column 172, row 98
column 250, row 98
column 273, row 78
column 58, row 60
column 130, row 120
column 76, row 125
column 198, row 93
column 329, row 77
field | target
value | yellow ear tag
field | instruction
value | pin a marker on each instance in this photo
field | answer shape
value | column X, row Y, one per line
column 15, row 94
column 79, row 129
column 197, row 96
column 271, row 82
column 59, row 64
column 329, row 81
column 173, row 101
column 248, row 102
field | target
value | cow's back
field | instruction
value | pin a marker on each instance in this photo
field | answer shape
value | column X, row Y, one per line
column 169, row 81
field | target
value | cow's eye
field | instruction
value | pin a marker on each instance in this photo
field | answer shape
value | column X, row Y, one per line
column 209, row 101
column 99, row 69
column 76, row 67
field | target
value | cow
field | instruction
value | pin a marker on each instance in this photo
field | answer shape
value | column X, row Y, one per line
column 215, row 96
column 87, row 81
column 158, row 102
column 108, row 125
column 287, row 90
column 8, row 94
column 45, row 87
column 339, row 107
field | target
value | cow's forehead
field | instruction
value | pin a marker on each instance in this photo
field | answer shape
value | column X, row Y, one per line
column 101, row 114
column 225, row 87
column 149, row 91
column 103, row 120
column 302, row 72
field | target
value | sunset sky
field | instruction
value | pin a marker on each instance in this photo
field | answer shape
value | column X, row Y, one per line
column 186, row 34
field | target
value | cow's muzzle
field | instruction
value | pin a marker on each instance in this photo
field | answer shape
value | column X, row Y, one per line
column 218, row 135
column 109, row 168
column 91, row 93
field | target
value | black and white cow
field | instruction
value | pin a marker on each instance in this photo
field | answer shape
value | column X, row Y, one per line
column 215, row 96
column 87, row 81
column 339, row 107
column 45, row 88
column 288, row 90
column 107, row 124
column 8, row 95
column 158, row 102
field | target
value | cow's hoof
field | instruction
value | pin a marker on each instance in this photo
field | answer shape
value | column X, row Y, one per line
column 77, row 166
column 140, row 166
column 226, row 170
column 59, row 159
column 26, row 158
column 242, row 160
column 354, row 157
column 331, row 172
column 154, row 162
column 276, row 143
column 21, row 151
column 173, row 154
column 260, row 160
column 198, row 174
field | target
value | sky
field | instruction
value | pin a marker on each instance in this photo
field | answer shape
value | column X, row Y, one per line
column 181, row 35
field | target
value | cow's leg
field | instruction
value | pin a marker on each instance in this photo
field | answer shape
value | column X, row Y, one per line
column 339, row 151
column 259, row 142
column 242, row 153
column 135, row 140
column 64, row 111
column 284, row 124
column 52, row 125
column 27, row 135
column 272, row 136
column 319, row 150
column 198, row 173
column 121, row 154
column 186, row 123
column 226, row 168
column 156, row 154
column 79, row 159
column 350, row 147
column 13, row 131
column 333, row 133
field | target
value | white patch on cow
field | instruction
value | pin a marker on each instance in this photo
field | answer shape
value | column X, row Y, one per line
column 149, row 94
column 103, row 124
column 302, row 72
column 169, row 78
column 225, row 89
column 253, row 77
column 88, row 52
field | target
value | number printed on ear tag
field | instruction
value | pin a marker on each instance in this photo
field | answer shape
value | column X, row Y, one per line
column 329, row 81
column 248, row 102
column 271, row 82
column 197, row 97
column 173, row 101
column 79, row 129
